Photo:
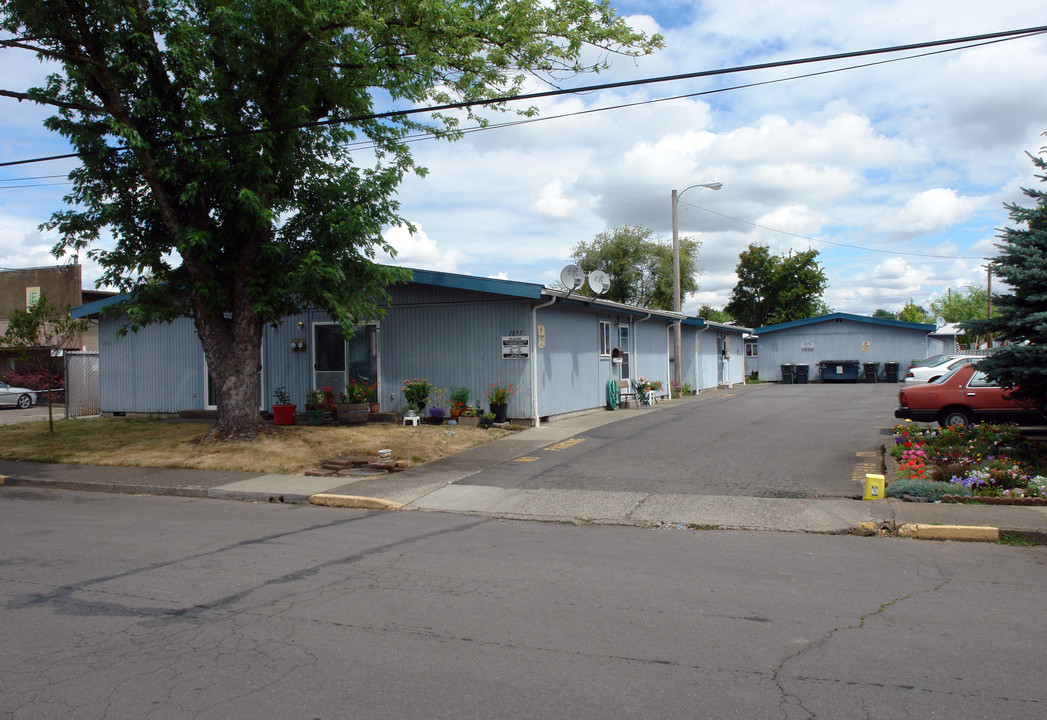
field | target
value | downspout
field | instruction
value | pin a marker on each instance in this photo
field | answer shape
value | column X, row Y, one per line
column 636, row 339
column 668, row 374
column 534, row 359
column 698, row 363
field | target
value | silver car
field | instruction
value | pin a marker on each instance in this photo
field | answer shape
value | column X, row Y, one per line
column 19, row 397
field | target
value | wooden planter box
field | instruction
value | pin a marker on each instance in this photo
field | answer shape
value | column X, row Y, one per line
column 471, row 420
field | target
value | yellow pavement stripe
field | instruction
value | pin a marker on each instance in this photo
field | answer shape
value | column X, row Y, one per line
column 868, row 462
column 564, row 444
column 354, row 501
column 527, row 458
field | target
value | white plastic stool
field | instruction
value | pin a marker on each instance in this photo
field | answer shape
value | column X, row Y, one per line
column 411, row 420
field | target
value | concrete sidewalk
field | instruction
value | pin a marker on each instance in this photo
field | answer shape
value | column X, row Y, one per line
column 433, row 487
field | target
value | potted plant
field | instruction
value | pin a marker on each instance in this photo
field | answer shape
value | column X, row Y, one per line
column 498, row 396
column 352, row 406
column 412, row 409
column 459, row 401
column 283, row 409
column 371, row 397
column 417, row 391
column 315, row 405
column 488, row 419
column 436, row 415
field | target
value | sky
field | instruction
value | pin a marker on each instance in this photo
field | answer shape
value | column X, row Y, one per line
column 897, row 174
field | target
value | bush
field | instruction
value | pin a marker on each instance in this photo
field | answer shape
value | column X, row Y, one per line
column 929, row 489
column 35, row 380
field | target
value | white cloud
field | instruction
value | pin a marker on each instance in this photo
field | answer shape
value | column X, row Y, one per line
column 420, row 251
column 929, row 211
column 552, row 203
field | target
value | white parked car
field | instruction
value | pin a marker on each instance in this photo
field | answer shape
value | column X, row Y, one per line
column 19, row 397
column 919, row 374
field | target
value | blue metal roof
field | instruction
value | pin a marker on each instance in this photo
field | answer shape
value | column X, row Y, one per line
column 93, row 308
column 496, row 286
column 924, row 327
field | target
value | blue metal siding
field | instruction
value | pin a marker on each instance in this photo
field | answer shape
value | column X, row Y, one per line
column 839, row 339
column 158, row 369
column 651, row 342
column 451, row 339
column 571, row 375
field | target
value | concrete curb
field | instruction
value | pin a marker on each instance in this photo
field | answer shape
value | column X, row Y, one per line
column 977, row 533
column 106, row 487
column 353, row 501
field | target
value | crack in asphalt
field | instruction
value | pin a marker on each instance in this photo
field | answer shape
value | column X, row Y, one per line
column 790, row 701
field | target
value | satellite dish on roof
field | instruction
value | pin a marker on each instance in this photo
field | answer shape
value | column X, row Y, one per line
column 939, row 322
column 572, row 277
column 599, row 282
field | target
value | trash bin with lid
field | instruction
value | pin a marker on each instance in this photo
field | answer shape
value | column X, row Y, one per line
column 801, row 374
column 871, row 370
column 891, row 372
column 839, row 370
column 787, row 374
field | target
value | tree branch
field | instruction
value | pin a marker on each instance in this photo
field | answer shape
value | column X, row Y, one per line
column 19, row 96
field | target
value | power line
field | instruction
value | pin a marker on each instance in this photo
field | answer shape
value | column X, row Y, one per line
column 1009, row 34
column 831, row 242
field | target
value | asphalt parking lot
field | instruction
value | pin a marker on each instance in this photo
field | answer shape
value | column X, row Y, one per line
column 13, row 415
column 769, row 440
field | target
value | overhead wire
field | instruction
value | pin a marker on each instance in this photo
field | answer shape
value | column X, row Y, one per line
column 1009, row 34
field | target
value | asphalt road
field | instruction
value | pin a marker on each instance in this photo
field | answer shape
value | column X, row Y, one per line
column 13, row 415
column 767, row 440
column 170, row 608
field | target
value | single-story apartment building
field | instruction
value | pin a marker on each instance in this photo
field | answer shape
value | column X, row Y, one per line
column 842, row 336
column 558, row 350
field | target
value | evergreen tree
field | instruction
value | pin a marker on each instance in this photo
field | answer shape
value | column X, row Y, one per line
column 1020, row 317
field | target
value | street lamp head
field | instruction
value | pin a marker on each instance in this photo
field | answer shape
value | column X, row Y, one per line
column 714, row 185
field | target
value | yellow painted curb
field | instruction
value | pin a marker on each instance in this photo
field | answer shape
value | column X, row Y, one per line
column 353, row 501
column 951, row 532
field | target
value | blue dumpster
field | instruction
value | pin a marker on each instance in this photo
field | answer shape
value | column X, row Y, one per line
column 840, row 370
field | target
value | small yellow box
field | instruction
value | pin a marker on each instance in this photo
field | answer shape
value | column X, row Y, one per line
column 874, row 487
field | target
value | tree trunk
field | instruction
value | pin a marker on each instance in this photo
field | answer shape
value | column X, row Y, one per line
column 232, row 347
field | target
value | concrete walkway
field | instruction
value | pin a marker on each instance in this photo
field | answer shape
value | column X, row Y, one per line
column 433, row 487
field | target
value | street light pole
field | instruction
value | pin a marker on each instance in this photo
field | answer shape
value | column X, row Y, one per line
column 678, row 325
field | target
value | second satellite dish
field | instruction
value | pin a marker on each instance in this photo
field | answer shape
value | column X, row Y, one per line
column 599, row 282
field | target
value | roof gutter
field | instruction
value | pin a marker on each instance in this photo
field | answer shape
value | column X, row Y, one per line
column 534, row 358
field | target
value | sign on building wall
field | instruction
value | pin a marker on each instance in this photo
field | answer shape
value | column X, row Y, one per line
column 516, row 347
column 866, row 346
column 541, row 337
column 807, row 347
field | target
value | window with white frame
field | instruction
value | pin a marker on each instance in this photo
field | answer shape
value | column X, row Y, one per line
column 605, row 337
column 750, row 348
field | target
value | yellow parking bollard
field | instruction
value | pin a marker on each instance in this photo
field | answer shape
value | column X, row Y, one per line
column 874, row 487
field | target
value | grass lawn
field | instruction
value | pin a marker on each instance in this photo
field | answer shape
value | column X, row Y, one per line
column 287, row 450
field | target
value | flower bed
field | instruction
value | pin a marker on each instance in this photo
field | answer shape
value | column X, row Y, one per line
column 981, row 463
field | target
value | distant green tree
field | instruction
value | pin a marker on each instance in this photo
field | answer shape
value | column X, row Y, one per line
column 914, row 313
column 708, row 312
column 884, row 314
column 37, row 333
column 776, row 288
column 956, row 307
column 1020, row 317
column 640, row 266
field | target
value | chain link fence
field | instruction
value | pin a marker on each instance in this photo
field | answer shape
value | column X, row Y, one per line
column 81, row 384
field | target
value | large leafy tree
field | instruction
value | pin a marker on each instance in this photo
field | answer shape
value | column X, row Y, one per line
column 776, row 288
column 1020, row 317
column 214, row 134
column 640, row 265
